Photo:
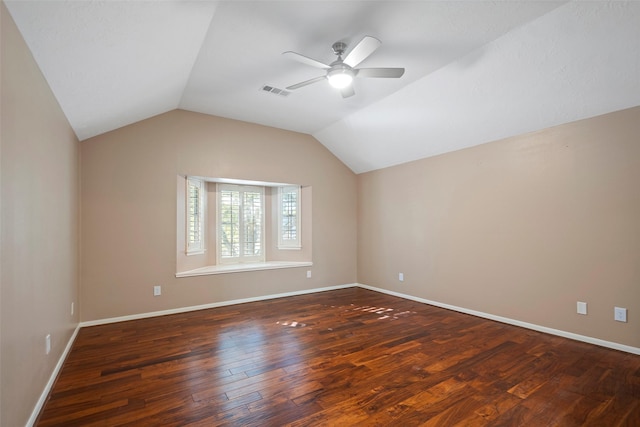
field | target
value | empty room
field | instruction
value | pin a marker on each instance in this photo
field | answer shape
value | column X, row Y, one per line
column 320, row 213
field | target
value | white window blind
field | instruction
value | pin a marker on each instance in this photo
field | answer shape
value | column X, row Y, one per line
column 195, row 216
column 289, row 217
column 240, row 223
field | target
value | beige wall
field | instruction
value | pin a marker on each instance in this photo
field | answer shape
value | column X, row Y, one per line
column 39, row 223
column 521, row 228
column 129, row 210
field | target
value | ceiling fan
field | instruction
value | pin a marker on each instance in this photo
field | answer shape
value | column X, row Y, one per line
column 341, row 72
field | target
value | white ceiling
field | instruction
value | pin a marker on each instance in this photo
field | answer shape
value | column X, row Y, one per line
column 476, row 71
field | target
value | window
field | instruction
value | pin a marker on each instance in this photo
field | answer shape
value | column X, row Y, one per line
column 195, row 216
column 289, row 217
column 229, row 225
column 240, row 223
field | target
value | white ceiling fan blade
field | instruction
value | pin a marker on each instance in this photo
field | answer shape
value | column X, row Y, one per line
column 305, row 60
column 393, row 73
column 366, row 47
column 306, row 82
column 347, row 91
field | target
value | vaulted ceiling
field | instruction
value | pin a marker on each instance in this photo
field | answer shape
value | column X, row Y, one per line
column 476, row 71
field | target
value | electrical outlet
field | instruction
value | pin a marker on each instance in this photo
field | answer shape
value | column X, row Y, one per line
column 582, row 307
column 308, row 274
column 47, row 344
column 620, row 314
column 401, row 277
column 157, row 291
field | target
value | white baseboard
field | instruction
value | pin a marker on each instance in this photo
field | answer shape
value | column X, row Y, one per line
column 532, row 326
column 52, row 379
column 211, row 305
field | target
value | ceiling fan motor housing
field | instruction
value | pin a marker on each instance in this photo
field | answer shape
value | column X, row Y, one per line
column 340, row 75
column 339, row 48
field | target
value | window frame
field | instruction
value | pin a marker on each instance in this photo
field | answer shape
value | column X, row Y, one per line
column 242, row 257
column 289, row 244
column 196, row 247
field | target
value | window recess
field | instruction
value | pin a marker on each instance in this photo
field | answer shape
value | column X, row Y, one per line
column 230, row 226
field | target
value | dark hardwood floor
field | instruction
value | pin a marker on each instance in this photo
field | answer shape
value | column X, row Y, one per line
column 338, row 358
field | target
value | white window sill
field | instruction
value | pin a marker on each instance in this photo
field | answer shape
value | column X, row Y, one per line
column 236, row 268
column 189, row 253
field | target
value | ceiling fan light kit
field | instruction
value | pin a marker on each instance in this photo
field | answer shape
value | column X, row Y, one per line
column 341, row 73
column 340, row 78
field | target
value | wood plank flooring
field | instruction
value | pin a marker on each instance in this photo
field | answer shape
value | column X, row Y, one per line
column 338, row 358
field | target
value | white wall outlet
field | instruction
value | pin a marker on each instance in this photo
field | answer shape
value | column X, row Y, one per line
column 157, row 291
column 47, row 344
column 401, row 277
column 582, row 307
column 620, row 314
column 72, row 308
column 308, row 274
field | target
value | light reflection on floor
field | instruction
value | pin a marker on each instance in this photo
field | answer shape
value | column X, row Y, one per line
column 250, row 338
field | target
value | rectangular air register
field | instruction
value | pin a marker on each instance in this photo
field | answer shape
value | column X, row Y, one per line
column 275, row 90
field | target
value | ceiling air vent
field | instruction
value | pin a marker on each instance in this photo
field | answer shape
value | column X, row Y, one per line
column 275, row 90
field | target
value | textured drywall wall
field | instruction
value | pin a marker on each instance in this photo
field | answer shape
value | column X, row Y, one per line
column 521, row 228
column 129, row 210
column 40, row 187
